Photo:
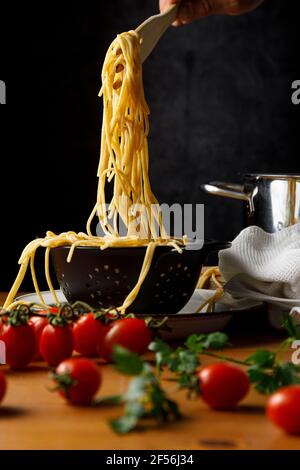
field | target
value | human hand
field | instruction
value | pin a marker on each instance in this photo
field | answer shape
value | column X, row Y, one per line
column 190, row 10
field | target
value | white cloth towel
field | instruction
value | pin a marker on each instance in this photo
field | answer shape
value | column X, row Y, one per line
column 264, row 266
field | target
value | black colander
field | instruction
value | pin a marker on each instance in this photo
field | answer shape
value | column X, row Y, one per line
column 104, row 278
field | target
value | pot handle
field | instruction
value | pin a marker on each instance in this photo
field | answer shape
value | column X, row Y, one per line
column 231, row 190
column 211, row 246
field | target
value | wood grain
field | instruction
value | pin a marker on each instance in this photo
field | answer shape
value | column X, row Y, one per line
column 31, row 417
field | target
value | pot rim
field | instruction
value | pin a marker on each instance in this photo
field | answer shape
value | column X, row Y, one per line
column 206, row 246
column 272, row 176
column 115, row 248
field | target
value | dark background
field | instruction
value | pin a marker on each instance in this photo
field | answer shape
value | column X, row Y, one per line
column 219, row 91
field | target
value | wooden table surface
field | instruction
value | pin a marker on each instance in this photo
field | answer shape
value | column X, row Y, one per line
column 31, row 417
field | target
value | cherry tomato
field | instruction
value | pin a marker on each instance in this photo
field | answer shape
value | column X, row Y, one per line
column 102, row 349
column 2, row 323
column 2, row 386
column 86, row 379
column 132, row 333
column 222, row 385
column 52, row 310
column 87, row 333
column 283, row 408
column 20, row 344
column 56, row 343
column 38, row 324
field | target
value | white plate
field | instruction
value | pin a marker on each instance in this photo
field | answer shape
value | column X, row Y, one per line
column 185, row 322
column 277, row 308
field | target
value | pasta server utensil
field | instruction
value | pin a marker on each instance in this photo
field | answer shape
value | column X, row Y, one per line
column 151, row 30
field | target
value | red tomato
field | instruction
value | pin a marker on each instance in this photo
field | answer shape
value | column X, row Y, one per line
column 56, row 344
column 223, row 385
column 2, row 323
column 283, row 408
column 2, row 386
column 101, row 348
column 87, row 333
column 52, row 310
column 132, row 333
column 38, row 324
column 86, row 377
column 20, row 344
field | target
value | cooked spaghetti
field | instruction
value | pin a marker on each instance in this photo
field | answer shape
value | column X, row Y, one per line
column 124, row 165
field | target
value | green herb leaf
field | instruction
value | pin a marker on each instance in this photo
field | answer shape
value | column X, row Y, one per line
column 264, row 382
column 287, row 373
column 160, row 346
column 162, row 408
column 145, row 397
column 163, row 352
column 216, row 341
column 195, row 342
column 173, row 408
column 191, row 383
column 188, row 362
column 291, row 327
column 127, row 362
column 136, row 389
column 124, row 424
column 262, row 358
column 198, row 343
column 280, row 375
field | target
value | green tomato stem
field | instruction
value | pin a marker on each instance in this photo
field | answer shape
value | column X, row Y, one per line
column 225, row 358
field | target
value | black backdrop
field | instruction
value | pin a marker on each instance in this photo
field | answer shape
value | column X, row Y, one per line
column 219, row 91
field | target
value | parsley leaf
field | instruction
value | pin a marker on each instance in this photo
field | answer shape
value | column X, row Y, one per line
column 262, row 358
column 127, row 362
column 124, row 424
column 287, row 373
column 198, row 343
column 264, row 382
column 145, row 396
column 185, row 360
column 291, row 327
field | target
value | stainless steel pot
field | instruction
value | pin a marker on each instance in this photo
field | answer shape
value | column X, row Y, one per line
column 270, row 201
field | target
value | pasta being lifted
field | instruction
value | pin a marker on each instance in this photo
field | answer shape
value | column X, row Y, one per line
column 124, row 165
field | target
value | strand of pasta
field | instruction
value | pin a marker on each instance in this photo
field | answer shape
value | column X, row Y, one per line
column 210, row 274
column 48, row 277
column 74, row 240
column 124, row 163
column 34, row 278
column 144, row 271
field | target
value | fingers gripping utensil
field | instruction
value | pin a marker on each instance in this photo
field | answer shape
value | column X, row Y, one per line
column 151, row 30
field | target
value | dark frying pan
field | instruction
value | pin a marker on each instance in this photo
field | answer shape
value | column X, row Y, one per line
column 104, row 278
